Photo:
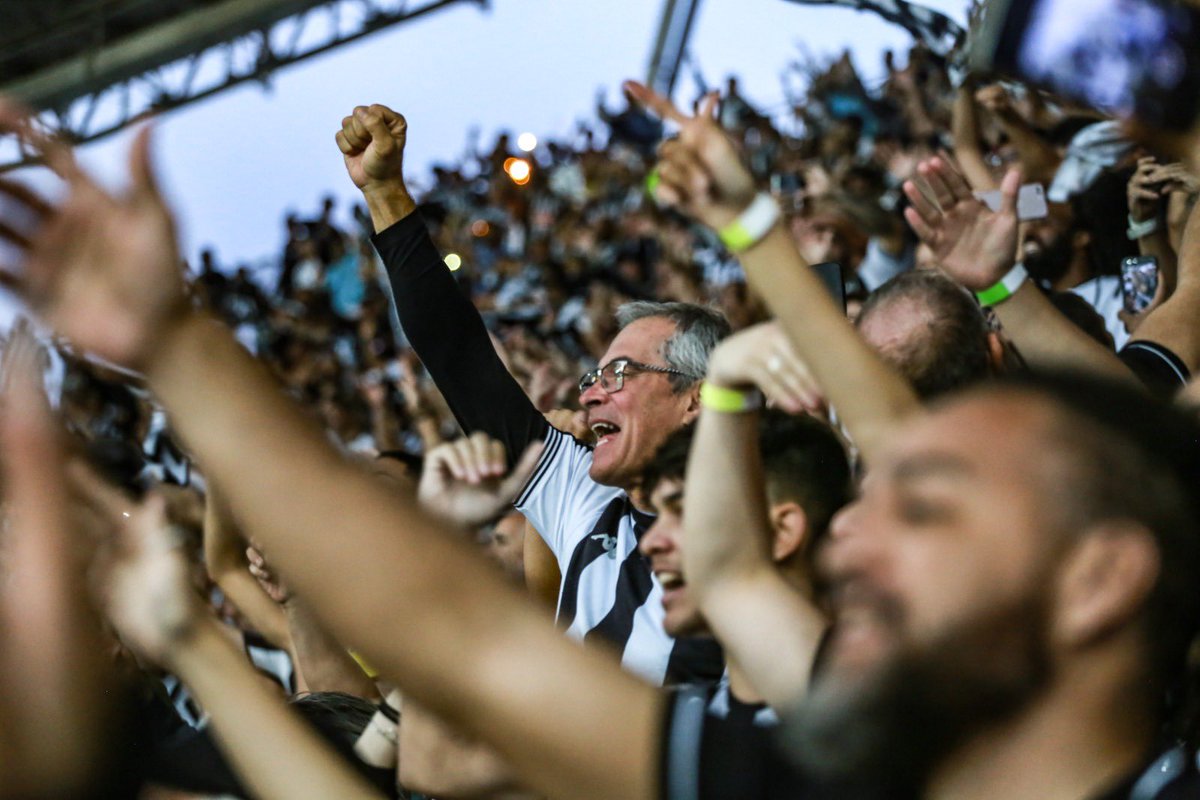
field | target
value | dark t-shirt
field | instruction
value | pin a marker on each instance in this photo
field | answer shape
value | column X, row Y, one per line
column 709, row 757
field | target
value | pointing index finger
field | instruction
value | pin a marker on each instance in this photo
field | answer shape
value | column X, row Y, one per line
column 655, row 102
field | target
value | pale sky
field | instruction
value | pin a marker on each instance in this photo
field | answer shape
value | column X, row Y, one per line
column 233, row 165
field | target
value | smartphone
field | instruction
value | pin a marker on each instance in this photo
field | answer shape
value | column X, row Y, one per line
column 830, row 274
column 1139, row 282
column 1031, row 202
column 1129, row 58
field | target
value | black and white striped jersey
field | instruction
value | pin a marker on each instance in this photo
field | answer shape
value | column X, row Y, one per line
column 607, row 590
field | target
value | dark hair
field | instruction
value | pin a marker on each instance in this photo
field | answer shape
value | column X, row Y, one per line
column 803, row 460
column 951, row 350
column 1136, row 459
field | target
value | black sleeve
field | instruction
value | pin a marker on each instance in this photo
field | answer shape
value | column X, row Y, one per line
column 448, row 336
column 1162, row 372
column 705, row 757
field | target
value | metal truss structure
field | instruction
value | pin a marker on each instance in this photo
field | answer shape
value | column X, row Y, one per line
column 670, row 46
column 93, row 67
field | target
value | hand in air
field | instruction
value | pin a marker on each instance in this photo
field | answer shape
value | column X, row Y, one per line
column 103, row 269
column 372, row 143
column 464, row 481
column 761, row 356
column 144, row 577
column 700, row 170
column 974, row 245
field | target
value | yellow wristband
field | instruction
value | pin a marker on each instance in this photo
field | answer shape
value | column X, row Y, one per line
column 729, row 401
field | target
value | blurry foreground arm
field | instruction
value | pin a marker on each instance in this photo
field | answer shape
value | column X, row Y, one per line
column 702, row 173
column 977, row 248
column 421, row 605
column 151, row 604
column 967, row 141
column 766, row 627
column 56, row 691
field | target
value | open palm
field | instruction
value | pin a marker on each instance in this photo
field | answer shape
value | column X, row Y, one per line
column 974, row 245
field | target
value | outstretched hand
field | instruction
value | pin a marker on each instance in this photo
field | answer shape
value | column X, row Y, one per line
column 143, row 576
column 464, row 481
column 701, row 170
column 974, row 245
column 102, row 269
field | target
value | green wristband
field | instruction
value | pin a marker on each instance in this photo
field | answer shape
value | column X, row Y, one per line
column 1003, row 289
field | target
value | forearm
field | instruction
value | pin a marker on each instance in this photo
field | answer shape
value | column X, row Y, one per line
column 275, row 753
column 1045, row 337
column 228, row 569
column 422, row 606
column 1173, row 324
column 870, row 397
column 448, row 335
column 436, row 762
column 760, row 621
column 388, row 204
column 324, row 663
column 967, row 149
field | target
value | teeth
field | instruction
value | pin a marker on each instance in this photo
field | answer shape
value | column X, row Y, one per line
column 603, row 428
column 670, row 580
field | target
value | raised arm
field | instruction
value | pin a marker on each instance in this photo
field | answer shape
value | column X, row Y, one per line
column 1174, row 324
column 968, row 149
column 151, row 603
column 977, row 247
column 424, row 608
column 225, row 560
column 766, row 627
column 443, row 326
column 703, row 174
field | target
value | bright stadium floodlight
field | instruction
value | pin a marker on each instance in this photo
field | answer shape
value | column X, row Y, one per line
column 453, row 261
column 527, row 142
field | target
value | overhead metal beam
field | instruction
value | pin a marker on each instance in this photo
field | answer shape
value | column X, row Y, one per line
column 670, row 45
column 194, row 57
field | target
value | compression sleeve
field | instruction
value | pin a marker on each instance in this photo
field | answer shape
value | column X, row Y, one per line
column 449, row 337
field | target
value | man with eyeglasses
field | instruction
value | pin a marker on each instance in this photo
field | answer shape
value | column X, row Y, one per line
column 582, row 500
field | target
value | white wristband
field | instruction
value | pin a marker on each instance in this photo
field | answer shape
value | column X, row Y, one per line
column 1139, row 229
column 1005, row 288
column 754, row 223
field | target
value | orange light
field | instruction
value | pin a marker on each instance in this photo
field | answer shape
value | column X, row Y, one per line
column 480, row 228
column 519, row 170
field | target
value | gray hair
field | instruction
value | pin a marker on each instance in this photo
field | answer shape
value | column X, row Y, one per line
column 697, row 331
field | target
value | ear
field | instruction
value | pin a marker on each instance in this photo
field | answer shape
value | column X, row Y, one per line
column 692, row 409
column 789, row 530
column 995, row 346
column 1105, row 582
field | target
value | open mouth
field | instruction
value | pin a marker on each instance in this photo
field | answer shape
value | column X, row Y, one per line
column 604, row 432
column 670, row 580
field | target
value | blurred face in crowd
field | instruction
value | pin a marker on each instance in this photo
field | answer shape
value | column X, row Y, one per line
column 630, row 424
column 942, row 576
column 661, row 545
column 506, row 544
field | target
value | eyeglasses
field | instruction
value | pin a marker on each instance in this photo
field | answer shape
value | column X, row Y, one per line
column 612, row 375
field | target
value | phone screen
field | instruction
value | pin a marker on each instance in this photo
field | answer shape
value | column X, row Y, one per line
column 1139, row 282
column 1132, row 58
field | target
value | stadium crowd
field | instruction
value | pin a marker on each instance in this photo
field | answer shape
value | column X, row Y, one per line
column 693, row 456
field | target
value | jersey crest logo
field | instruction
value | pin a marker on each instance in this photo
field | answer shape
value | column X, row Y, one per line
column 608, row 542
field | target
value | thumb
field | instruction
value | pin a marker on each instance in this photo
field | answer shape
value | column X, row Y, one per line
column 144, row 183
column 1010, row 188
column 521, row 473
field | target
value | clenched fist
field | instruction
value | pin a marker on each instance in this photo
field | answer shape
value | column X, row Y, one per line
column 372, row 143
